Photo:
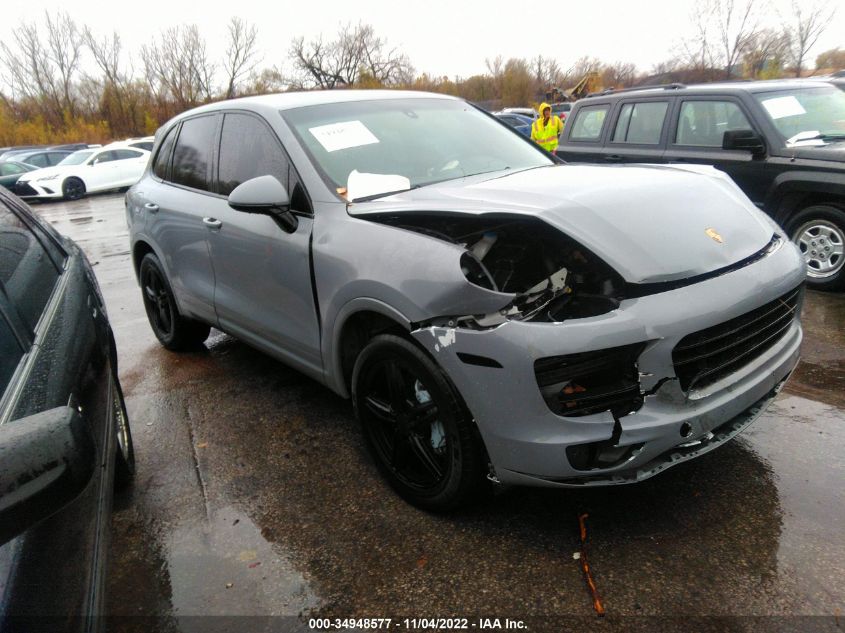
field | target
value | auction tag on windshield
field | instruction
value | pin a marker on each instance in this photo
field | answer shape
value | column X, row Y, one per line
column 781, row 107
column 343, row 135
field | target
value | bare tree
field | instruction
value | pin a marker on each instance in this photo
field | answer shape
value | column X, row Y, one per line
column 619, row 75
column 179, row 67
column 809, row 21
column 242, row 55
column 44, row 70
column 340, row 63
column 736, row 22
column 766, row 49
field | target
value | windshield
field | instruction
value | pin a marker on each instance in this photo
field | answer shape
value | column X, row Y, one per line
column 77, row 158
column 812, row 114
column 366, row 148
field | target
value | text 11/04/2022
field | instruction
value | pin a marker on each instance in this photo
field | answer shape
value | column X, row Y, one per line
column 416, row 624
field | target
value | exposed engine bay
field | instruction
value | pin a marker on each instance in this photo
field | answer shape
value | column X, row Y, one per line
column 552, row 277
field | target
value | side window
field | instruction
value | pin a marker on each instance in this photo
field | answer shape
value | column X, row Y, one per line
column 248, row 149
column 640, row 123
column 589, row 123
column 162, row 160
column 103, row 157
column 126, row 154
column 39, row 160
column 704, row 123
column 26, row 271
column 192, row 154
column 57, row 157
column 10, row 353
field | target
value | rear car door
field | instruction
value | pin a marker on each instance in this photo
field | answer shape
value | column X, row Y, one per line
column 53, row 354
column 696, row 137
column 263, row 290
column 639, row 131
column 131, row 165
column 174, row 198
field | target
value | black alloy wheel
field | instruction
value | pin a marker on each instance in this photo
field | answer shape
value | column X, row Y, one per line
column 173, row 331
column 73, row 189
column 418, row 431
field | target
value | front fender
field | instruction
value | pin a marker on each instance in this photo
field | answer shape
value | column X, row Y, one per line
column 791, row 182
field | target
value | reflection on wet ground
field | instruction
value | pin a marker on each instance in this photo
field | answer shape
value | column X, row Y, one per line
column 255, row 496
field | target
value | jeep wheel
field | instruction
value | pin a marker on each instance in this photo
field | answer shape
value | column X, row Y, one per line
column 819, row 231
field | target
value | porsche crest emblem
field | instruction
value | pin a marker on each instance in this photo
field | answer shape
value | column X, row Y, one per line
column 713, row 235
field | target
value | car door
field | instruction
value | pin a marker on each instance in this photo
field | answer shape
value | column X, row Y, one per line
column 174, row 198
column 639, row 130
column 101, row 171
column 696, row 137
column 582, row 137
column 262, row 289
column 53, row 355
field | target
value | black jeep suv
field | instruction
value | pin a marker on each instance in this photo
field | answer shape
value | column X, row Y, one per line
column 782, row 142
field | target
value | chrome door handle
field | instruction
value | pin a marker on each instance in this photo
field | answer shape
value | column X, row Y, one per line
column 212, row 223
column 152, row 207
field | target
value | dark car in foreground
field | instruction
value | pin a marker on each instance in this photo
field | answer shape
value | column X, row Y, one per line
column 491, row 312
column 65, row 442
column 782, row 142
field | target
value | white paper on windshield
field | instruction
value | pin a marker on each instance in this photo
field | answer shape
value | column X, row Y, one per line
column 361, row 184
column 781, row 107
column 343, row 135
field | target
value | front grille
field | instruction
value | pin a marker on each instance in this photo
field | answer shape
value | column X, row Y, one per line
column 23, row 189
column 703, row 357
column 591, row 382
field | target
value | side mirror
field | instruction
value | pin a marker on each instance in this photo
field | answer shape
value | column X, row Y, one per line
column 265, row 195
column 743, row 139
column 46, row 461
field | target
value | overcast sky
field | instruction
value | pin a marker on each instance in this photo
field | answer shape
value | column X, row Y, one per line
column 442, row 37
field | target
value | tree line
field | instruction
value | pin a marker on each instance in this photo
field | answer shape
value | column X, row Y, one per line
column 61, row 82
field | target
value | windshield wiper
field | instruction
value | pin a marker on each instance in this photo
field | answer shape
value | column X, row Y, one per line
column 376, row 196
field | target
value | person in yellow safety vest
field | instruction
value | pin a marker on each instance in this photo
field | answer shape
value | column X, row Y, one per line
column 546, row 129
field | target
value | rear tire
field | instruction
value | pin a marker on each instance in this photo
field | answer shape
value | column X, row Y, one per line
column 416, row 427
column 819, row 231
column 174, row 331
column 73, row 188
column 124, row 461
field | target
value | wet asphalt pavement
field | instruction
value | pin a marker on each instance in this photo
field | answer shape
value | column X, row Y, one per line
column 255, row 496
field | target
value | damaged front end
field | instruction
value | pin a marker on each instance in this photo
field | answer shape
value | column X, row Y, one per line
column 550, row 277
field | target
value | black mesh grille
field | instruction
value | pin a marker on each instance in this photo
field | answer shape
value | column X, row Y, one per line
column 591, row 382
column 703, row 357
column 23, row 189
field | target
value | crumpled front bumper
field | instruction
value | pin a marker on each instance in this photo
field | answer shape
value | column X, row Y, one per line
column 527, row 442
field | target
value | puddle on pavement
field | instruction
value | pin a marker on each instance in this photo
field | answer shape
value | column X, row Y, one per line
column 226, row 567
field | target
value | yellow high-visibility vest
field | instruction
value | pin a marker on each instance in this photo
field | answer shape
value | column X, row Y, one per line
column 546, row 135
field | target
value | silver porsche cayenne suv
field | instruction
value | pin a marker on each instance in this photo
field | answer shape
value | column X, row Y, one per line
column 493, row 313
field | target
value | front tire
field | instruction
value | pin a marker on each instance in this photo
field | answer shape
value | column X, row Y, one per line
column 73, row 188
column 417, row 430
column 819, row 231
column 173, row 331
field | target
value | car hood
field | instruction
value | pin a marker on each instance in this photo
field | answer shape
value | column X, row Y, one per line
column 832, row 151
column 651, row 223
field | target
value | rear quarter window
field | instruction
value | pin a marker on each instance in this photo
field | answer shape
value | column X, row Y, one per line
column 589, row 122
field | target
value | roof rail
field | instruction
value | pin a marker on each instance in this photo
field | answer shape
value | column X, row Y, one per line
column 613, row 91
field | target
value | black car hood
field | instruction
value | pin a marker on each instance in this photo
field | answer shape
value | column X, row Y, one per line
column 831, row 151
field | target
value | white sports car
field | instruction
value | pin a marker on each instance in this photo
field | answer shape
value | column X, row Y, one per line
column 85, row 171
